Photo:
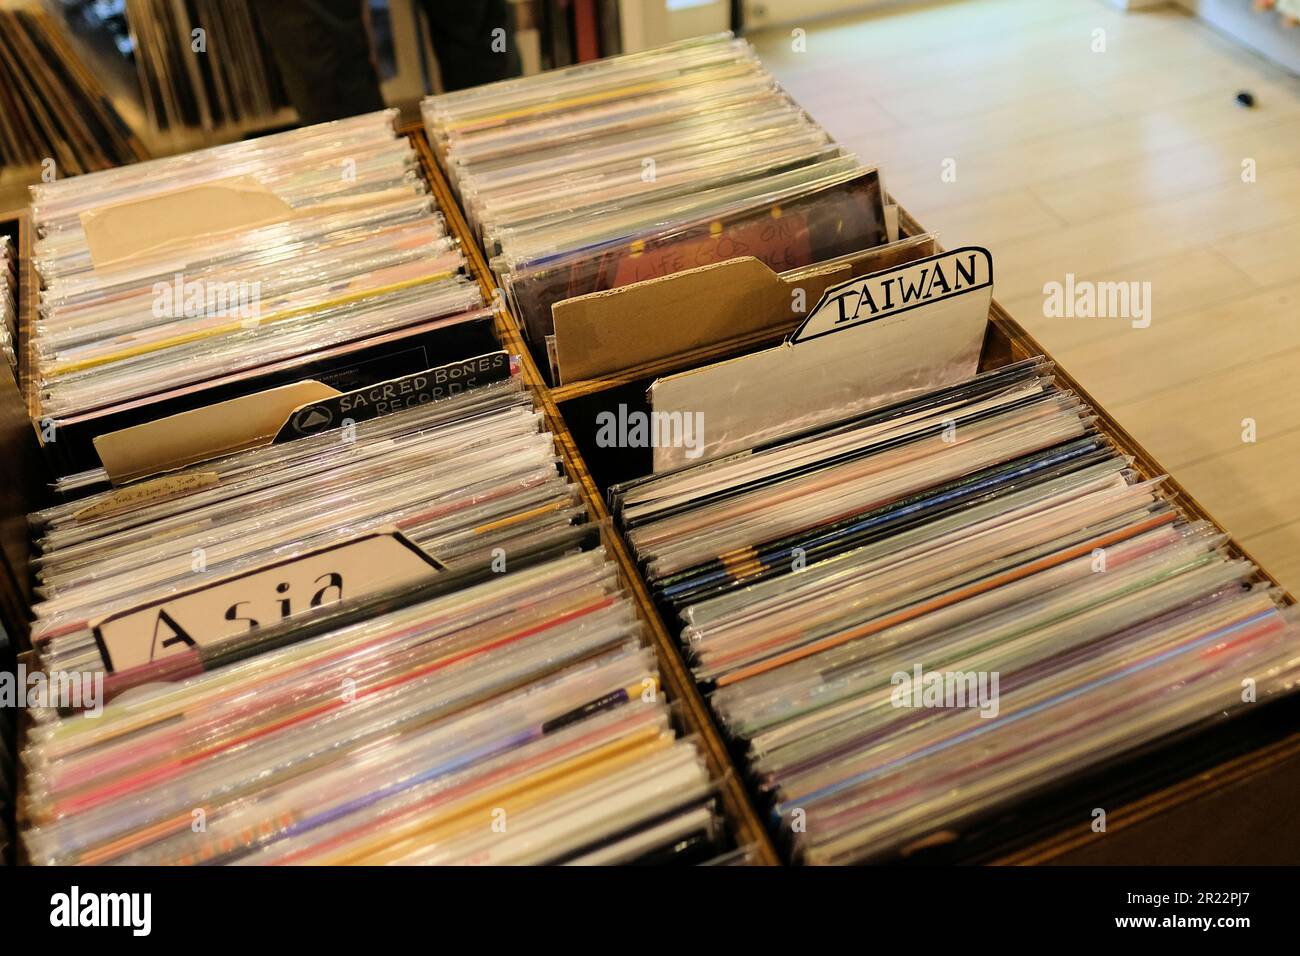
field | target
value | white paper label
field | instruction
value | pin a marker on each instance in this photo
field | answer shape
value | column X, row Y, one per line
column 232, row 606
column 883, row 294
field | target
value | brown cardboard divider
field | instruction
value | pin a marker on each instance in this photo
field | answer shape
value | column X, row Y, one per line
column 236, row 424
column 698, row 308
column 118, row 233
column 674, row 313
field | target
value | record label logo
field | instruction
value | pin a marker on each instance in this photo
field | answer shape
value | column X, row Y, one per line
column 314, row 418
column 408, row 391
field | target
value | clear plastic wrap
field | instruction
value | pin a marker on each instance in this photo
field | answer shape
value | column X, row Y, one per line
column 383, row 728
column 635, row 167
column 190, row 271
column 916, row 617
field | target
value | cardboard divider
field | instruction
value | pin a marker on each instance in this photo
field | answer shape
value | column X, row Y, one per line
column 863, row 344
column 280, row 414
column 709, row 306
column 1182, row 785
column 116, row 234
column 675, row 313
column 199, row 434
column 341, row 367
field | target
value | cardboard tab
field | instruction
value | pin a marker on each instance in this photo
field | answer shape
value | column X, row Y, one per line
column 603, row 333
column 229, row 607
column 123, row 231
column 203, row 433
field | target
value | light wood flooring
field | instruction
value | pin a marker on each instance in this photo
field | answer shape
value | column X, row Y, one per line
column 1122, row 165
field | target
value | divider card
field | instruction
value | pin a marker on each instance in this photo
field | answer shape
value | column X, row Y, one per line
column 282, row 414
column 706, row 306
column 226, row 608
column 879, row 295
column 867, row 342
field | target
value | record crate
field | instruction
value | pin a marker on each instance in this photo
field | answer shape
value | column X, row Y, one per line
column 1216, row 794
column 1219, row 794
column 20, row 448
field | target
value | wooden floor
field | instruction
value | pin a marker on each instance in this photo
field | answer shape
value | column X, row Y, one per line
column 1122, row 165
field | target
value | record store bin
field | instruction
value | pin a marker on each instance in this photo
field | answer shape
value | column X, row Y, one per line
column 666, row 684
column 1215, row 795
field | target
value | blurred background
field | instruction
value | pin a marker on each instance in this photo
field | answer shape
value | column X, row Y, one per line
column 163, row 76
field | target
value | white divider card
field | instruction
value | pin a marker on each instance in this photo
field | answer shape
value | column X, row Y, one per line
column 228, row 607
column 867, row 342
column 916, row 285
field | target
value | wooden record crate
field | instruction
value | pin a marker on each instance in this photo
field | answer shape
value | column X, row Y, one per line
column 20, row 449
column 1218, row 794
column 1225, row 800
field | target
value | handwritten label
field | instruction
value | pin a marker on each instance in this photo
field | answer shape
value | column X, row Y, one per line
column 384, row 398
column 894, row 291
column 134, row 496
column 235, row 605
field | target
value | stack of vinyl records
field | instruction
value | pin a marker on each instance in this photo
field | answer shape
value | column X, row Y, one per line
column 183, row 281
column 54, row 116
column 202, row 63
column 8, row 766
column 8, row 302
column 635, row 167
column 486, row 698
column 914, row 618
